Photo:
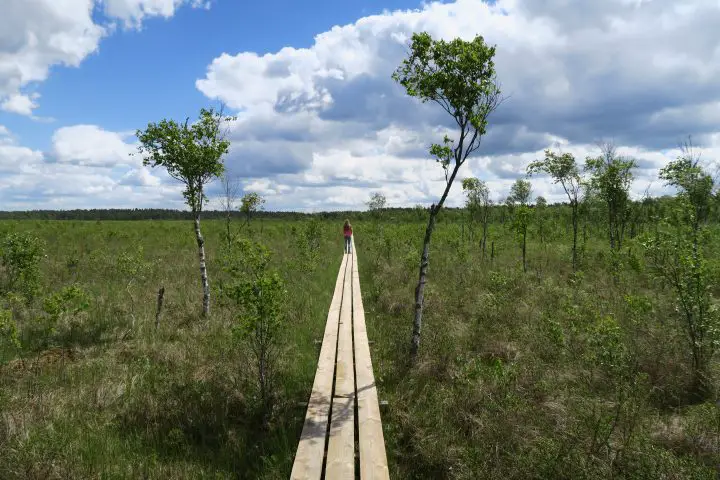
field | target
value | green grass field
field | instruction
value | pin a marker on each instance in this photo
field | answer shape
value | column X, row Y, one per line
column 544, row 374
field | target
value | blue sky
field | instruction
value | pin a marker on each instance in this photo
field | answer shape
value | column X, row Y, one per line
column 139, row 76
column 322, row 125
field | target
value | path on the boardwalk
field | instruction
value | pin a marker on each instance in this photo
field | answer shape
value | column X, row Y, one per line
column 343, row 431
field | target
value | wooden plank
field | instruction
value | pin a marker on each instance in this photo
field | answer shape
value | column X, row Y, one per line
column 311, row 448
column 341, row 444
column 341, row 448
column 345, row 373
column 373, row 459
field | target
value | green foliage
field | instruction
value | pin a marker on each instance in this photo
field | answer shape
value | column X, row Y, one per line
column 563, row 169
column 443, row 154
column 250, row 203
column 459, row 75
column 20, row 256
column 521, row 376
column 610, row 179
column 521, row 219
column 694, row 184
column 477, row 200
column 522, row 214
column 63, row 306
column 131, row 266
column 607, row 348
column 69, row 301
column 191, row 154
column 258, row 293
column 307, row 244
column 676, row 261
column 541, row 220
column 520, row 192
column 377, row 202
column 8, row 331
column 677, row 258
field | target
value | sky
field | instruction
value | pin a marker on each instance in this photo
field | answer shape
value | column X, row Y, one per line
column 320, row 123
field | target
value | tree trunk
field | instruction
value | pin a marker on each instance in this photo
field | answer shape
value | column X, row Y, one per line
column 158, row 311
column 424, row 262
column 227, row 226
column 575, row 235
column 484, row 237
column 523, row 249
column 420, row 288
column 203, row 267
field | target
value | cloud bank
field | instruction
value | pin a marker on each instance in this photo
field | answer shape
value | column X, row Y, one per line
column 320, row 128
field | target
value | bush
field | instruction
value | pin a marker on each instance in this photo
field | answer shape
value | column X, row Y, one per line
column 258, row 293
column 20, row 255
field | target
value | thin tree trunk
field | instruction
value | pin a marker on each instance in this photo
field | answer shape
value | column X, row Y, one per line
column 420, row 288
column 575, row 235
column 227, row 226
column 424, row 262
column 161, row 295
column 203, row 267
column 484, row 237
column 523, row 249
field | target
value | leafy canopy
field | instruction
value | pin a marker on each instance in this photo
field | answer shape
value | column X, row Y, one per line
column 611, row 176
column 458, row 75
column 251, row 202
column 520, row 192
column 563, row 169
column 694, row 184
column 191, row 154
column 477, row 193
column 377, row 201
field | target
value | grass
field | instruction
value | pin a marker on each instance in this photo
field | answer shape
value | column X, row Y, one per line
column 544, row 374
column 119, row 401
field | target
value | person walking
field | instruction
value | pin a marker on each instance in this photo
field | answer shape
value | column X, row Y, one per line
column 347, row 231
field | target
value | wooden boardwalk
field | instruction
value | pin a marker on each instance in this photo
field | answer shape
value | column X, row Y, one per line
column 342, row 435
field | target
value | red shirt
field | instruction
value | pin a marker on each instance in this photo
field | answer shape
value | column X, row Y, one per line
column 347, row 230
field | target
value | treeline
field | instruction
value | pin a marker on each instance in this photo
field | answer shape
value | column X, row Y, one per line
column 642, row 211
column 135, row 214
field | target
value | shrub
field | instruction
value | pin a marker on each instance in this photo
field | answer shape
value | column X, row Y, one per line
column 20, row 255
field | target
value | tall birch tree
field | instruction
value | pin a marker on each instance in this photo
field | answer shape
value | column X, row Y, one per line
column 191, row 154
column 459, row 76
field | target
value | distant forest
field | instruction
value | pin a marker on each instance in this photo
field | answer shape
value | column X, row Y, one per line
column 641, row 211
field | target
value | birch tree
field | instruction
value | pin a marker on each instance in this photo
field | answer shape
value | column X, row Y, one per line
column 191, row 154
column 228, row 199
column 251, row 203
column 519, row 199
column 677, row 257
column 459, row 76
column 376, row 204
column 611, row 177
column 478, row 203
column 563, row 169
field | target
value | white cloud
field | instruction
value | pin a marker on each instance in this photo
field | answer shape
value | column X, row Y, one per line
column 326, row 125
column 323, row 127
column 140, row 177
column 37, row 34
column 91, row 145
column 87, row 168
column 17, row 103
column 133, row 12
